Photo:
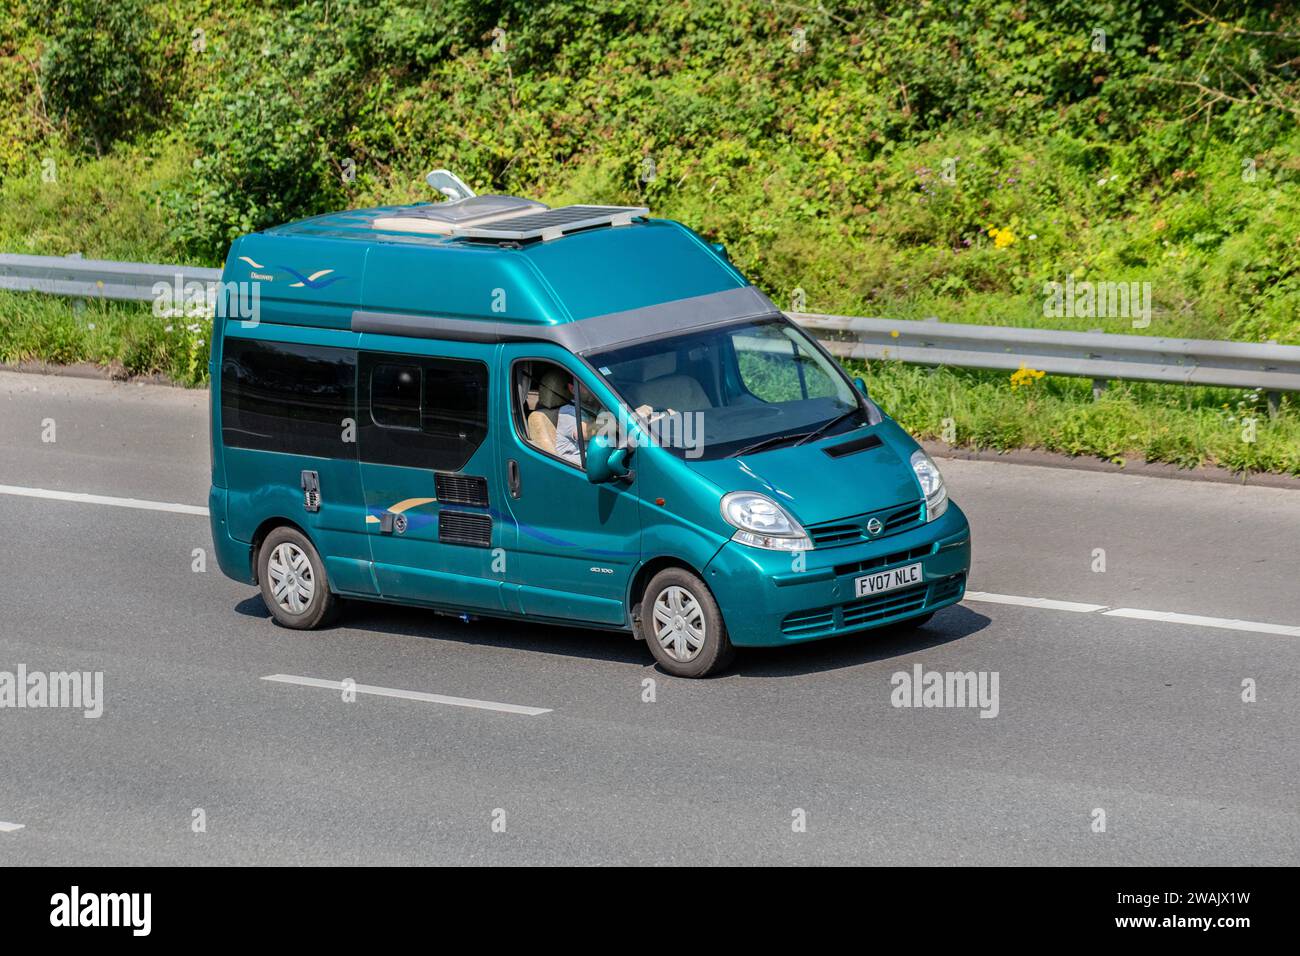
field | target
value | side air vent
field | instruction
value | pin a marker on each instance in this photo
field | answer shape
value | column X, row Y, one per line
column 460, row 489
column 850, row 447
column 465, row 527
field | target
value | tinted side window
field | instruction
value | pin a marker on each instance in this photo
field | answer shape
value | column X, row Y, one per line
column 287, row 398
column 395, row 396
column 425, row 412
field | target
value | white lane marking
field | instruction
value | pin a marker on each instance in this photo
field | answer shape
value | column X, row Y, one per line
column 9, row 827
column 1172, row 617
column 412, row 695
column 1226, row 623
column 1046, row 603
column 103, row 500
column 986, row 597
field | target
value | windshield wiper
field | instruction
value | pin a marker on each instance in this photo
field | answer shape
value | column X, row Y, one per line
column 823, row 429
column 764, row 443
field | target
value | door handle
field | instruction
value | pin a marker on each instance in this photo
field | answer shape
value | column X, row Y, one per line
column 311, row 491
column 512, row 472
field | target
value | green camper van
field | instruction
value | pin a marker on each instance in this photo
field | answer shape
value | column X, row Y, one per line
column 579, row 415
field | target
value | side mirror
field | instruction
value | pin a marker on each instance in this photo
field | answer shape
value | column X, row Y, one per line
column 861, row 384
column 604, row 462
column 720, row 249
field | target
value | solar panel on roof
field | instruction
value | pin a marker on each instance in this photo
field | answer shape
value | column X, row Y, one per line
column 552, row 223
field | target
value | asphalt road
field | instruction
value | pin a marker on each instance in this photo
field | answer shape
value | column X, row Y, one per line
column 1140, row 718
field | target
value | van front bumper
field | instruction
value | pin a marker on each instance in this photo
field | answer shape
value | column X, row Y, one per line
column 768, row 600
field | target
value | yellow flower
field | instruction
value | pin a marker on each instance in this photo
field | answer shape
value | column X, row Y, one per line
column 1025, row 377
column 1004, row 238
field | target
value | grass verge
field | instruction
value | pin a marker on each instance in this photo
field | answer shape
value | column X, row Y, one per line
column 1131, row 421
column 124, row 337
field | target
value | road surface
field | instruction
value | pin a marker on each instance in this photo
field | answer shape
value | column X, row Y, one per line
column 796, row 755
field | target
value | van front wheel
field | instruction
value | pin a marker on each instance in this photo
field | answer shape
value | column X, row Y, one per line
column 683, row 626
column 292, row 578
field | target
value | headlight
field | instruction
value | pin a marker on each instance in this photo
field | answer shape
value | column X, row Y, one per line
column 927, row 473
column 761, row 523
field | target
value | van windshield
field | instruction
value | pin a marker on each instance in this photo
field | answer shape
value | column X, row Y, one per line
column 733, row 390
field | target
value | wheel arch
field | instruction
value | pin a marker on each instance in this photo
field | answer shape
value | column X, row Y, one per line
column 264, row 529
column 644, row 574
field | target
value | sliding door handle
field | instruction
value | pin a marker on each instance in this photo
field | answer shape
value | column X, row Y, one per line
column 512, row 473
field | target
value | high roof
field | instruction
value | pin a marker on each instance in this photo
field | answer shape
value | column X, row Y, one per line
column 497, row 258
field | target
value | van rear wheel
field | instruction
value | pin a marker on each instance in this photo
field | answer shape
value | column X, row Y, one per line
column 292, row 577
column 683, row 626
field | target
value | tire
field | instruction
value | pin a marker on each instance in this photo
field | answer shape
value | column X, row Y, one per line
column 695, row 642
column 306, row 602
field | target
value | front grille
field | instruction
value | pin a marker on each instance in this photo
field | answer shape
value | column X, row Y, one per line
column 871, row 564
column 460, row 489
column 853, row 530
column 880, row 606
column 873, row 610
column 831, row 534
column 809, row 622
column 902, row 518
column 465, row 527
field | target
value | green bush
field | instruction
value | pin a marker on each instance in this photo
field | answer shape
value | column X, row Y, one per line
column 931, row 159
column 100, row 71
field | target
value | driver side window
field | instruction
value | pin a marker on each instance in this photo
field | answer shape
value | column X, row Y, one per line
column 548, row 414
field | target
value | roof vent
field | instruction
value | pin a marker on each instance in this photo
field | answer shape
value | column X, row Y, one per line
column 449, row 184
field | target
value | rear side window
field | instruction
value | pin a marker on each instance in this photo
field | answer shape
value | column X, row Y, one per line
column 287, row 398
column 423, row 413
column 395, row 396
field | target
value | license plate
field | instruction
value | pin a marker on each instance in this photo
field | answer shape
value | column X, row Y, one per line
column 890, row 580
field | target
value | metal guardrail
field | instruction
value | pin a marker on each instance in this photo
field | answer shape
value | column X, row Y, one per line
column 1096, row 355
column 1099, row 356
column 94, row 278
